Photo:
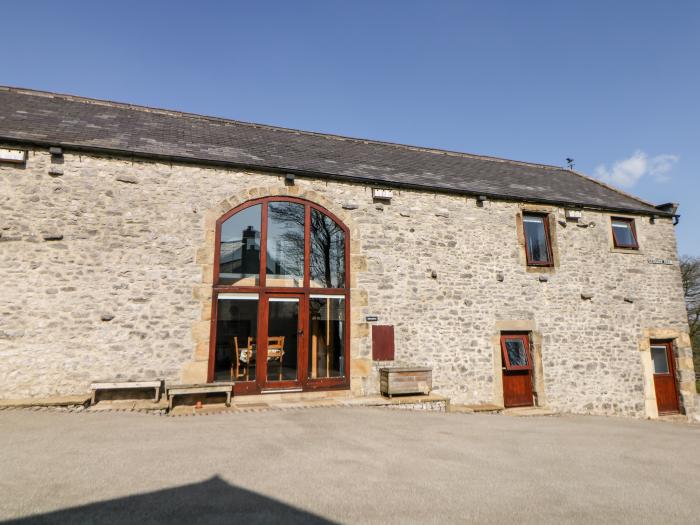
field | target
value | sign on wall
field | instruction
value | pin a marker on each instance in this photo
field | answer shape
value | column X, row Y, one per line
column 14, row 156
column 381, row 193
column 661, row 261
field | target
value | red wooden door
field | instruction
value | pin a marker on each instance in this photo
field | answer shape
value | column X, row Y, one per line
column 517, row 370
column 664, row 377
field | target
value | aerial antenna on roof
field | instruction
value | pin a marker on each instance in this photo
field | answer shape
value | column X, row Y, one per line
column 570, row 162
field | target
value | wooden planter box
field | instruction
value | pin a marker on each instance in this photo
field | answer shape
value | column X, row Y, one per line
column 409, row 380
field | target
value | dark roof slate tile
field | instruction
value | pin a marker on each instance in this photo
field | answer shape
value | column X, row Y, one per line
column 52, row 119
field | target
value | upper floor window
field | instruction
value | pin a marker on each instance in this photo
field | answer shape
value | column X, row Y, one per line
column 282, row 243
column 624, row 233
column 538, row 247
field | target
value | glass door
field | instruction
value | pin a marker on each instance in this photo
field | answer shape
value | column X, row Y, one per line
column 282, row 345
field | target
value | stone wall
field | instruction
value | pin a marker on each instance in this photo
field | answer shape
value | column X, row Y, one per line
column 106, row 270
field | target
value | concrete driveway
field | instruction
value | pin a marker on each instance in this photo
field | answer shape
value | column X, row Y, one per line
column 345, row 465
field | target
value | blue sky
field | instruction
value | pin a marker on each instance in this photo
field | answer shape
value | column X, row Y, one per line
column 614, row 85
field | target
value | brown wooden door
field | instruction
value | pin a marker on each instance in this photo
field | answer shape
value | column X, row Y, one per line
column 664, row 377
column 517, row 370
column 282, row 352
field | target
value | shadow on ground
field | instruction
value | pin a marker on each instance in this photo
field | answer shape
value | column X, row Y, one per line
column 211, row 501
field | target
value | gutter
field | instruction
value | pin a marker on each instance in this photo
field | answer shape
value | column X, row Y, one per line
column 672, row 208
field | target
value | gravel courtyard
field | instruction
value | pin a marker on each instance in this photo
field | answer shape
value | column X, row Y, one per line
column 345, row 465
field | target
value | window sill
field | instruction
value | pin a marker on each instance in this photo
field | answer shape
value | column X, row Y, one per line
column 539, row 269
column 628, row 251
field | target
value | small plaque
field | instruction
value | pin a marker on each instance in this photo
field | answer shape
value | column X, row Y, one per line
column 381, row 193
column 371, row 318
column 14, row 156
column 667, row 262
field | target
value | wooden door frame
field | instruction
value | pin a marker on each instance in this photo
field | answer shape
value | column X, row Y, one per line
column 253, row 387
column 261, row 375
column 671, row 359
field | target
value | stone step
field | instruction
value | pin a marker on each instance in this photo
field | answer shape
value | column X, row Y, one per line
column 139, row 405
column 529, row 411
column 57, row 401
column 295, row 402
column 483, row 408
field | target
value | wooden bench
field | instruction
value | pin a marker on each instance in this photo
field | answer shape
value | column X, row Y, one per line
column 406, row 380
column 204, row 388
column 126, row 385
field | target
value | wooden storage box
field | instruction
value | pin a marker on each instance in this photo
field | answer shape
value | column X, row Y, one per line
column 408, row 380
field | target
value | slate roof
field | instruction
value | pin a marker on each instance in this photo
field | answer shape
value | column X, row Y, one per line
column 49, row 119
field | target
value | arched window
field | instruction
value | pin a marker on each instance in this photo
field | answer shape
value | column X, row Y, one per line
column 281, row 298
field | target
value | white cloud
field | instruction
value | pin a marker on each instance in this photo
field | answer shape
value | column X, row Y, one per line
column 629, row 171
column 660, row 165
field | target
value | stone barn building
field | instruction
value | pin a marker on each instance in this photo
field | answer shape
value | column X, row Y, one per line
column 144, row 243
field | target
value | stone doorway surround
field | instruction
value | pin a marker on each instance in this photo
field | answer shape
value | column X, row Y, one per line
column 685, row 372
column 537, row 369
column 195, row 371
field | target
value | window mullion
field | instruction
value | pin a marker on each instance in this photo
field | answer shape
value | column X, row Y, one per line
column 263, row 245
column 307, row 246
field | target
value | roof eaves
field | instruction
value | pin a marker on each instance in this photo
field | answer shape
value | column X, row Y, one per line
column 333, row 176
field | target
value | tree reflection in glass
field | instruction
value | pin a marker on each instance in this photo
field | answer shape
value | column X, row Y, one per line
column 516, row 352
column 285, row 244
column 327, row 252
